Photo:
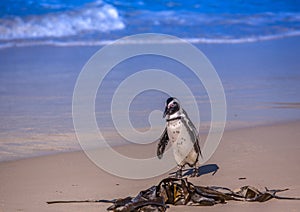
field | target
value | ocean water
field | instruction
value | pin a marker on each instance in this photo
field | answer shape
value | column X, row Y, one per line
column 90, row 22
column 252, row 44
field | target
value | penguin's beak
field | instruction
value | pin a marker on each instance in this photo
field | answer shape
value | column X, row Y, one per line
column 166, row 111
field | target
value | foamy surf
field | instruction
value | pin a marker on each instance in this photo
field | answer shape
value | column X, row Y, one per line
column 96, row 23
column 98, row 17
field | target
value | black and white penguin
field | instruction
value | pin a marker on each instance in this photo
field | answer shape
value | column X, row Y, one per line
column 183, row 135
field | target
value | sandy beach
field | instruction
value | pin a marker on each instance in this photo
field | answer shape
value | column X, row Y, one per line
column 36, row 119
column 47, row 47
column 267, row 156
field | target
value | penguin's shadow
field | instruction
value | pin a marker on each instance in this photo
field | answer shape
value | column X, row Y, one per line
column 202, row 170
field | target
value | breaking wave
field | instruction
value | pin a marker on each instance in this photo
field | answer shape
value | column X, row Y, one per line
column 99, row 22
column 96, row 18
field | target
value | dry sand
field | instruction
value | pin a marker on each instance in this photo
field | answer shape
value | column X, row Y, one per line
column 266, row 156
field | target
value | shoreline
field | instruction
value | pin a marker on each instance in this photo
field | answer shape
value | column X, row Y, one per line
column 79, row 150
column 264, row 156
column 261, row 82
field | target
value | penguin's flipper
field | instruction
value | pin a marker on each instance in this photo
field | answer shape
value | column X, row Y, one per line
column 163, row 142
column 197, row 147
column 194, row 134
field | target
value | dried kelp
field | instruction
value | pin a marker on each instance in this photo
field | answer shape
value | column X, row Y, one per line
column 182, row 192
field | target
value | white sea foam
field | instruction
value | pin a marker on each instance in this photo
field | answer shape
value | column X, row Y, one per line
column 190, row 40
column 102, row 18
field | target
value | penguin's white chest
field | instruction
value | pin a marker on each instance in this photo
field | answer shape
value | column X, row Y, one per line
column 183, row 146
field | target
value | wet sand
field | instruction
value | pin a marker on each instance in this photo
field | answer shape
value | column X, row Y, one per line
column 264, row 156
column 261, row 82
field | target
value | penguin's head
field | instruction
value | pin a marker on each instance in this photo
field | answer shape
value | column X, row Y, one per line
column 172, row 106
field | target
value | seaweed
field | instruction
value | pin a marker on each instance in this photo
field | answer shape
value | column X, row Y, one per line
column 174, row 191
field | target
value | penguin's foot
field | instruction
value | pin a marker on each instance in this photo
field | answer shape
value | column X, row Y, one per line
column 178, row 173
column 195, row 172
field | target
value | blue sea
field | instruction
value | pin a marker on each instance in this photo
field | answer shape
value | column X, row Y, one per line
column 90, row 22
column 253, row 45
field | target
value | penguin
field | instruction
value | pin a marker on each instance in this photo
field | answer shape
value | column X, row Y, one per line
column 183, row 135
